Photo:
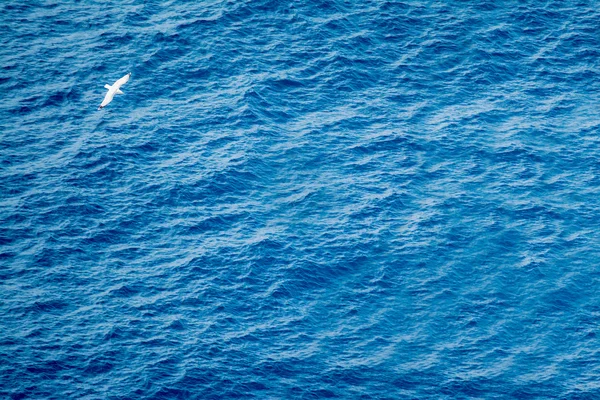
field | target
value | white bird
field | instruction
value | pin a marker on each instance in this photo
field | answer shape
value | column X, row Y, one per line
column 114, row 89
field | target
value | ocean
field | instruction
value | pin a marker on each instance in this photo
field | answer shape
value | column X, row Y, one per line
column 300, row 200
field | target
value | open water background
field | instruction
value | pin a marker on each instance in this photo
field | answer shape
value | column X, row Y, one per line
column 315, row 199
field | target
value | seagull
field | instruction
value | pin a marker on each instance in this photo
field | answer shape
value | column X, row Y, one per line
column 114, row 89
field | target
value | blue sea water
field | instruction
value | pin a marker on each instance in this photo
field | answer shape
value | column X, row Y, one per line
column 298, row 200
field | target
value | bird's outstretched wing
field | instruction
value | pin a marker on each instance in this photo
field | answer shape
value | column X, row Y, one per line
column 121, row 81
column 107, row 99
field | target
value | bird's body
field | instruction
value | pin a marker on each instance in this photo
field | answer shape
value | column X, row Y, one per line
column 114, row 89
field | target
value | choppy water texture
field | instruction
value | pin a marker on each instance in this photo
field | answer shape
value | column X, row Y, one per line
column 352, row 199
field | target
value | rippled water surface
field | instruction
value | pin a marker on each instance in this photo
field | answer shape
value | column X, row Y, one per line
column 316, row 199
